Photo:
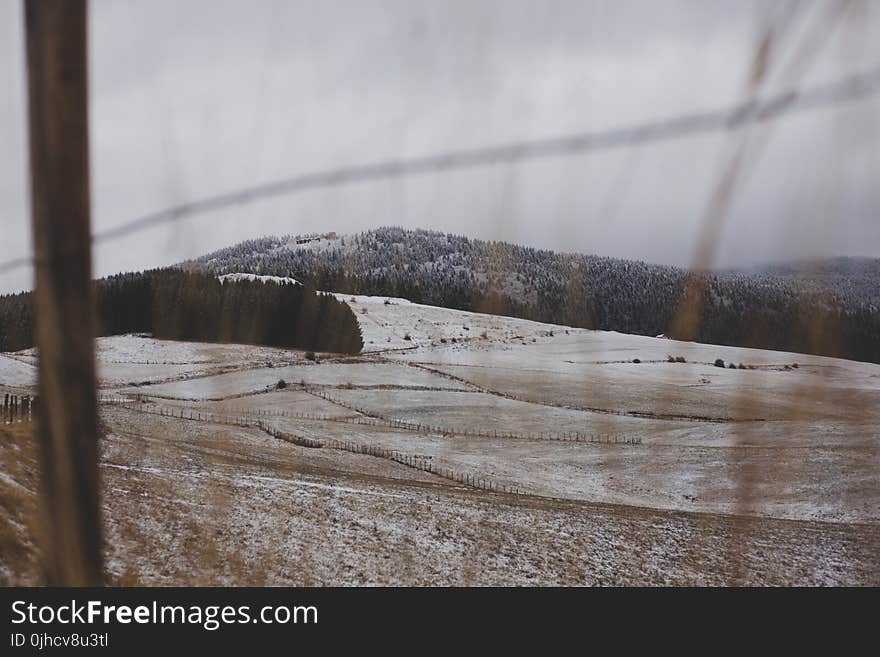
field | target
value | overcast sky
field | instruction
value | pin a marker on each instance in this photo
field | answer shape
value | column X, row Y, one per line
column 190, row 99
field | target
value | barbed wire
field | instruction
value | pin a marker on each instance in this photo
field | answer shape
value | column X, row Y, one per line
column 755, row 110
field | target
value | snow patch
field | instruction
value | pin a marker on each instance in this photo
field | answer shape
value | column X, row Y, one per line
column 278, row 280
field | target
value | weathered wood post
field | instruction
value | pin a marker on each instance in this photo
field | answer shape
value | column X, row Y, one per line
column 64, row 328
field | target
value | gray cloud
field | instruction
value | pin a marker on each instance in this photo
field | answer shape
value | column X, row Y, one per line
column 196, row 98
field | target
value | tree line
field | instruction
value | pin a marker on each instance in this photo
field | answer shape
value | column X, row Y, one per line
column 174, row 304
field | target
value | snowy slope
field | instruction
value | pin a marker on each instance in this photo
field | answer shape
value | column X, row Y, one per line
column 798, row 433
column 17, row 372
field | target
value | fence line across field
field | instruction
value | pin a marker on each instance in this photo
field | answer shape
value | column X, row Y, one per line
column 18, row 408
column 421, row 463
column 564, row 436
column 375, row 420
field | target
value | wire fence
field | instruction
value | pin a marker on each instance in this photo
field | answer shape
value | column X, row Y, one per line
column 565, row 436
column 417, row 462
column 753, row 110
column 66, row 428
column 372, row 419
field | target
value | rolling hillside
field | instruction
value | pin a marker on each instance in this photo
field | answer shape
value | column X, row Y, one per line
column 828, row 307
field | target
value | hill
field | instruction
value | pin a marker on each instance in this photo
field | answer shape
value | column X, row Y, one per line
column 827, row 308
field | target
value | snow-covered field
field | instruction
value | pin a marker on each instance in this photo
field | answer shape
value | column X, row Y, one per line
column 353, row 374
column 783, row 437
column 291, row 401
column 16, row 372
column 387, row 322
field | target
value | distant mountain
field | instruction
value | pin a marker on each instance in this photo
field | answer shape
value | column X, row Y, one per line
column 829, row 307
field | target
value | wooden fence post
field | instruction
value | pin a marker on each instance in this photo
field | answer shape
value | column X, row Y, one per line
column 64, row 326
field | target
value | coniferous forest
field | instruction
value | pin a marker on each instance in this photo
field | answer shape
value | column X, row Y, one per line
column 178, row 305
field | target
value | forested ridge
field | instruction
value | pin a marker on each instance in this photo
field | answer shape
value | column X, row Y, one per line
column 830, row 307
column 175, row 304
